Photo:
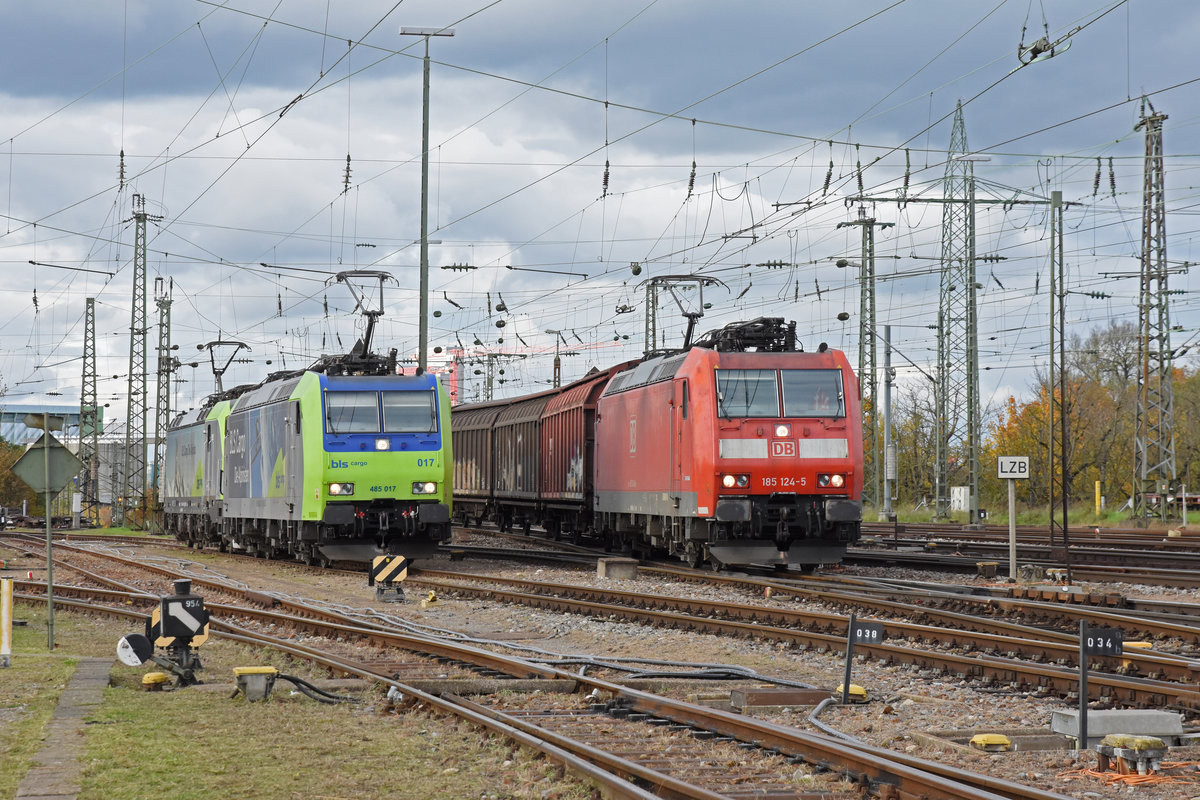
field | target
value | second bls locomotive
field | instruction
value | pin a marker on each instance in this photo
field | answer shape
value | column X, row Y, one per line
column 739, row 449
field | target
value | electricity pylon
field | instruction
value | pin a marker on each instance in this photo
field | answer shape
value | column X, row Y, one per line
column 89, row 421
column 958, row 326
column 1154, row 438
column 133, row 496
column 868, row 380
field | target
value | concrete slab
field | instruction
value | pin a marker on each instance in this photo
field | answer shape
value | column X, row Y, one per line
column 748, row 700
column 1166, row 725
column 56, row 766
column 617, row 568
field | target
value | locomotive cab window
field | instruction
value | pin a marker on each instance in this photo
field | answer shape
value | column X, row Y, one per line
column 747, row 393
column 813, row 393
column 351, row 412
column 409, row 412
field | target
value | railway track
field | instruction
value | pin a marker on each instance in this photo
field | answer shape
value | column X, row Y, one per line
column 828, row 633
column 561, row 724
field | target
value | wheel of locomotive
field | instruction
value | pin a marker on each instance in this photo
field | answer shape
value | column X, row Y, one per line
column 526, row 525
column 693, row 555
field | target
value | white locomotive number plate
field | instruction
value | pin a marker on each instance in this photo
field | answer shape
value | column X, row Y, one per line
column 785, row 482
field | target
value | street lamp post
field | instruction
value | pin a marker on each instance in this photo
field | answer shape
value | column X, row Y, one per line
column 423, row 328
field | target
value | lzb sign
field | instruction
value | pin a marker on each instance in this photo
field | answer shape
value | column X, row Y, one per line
column 1013, row 467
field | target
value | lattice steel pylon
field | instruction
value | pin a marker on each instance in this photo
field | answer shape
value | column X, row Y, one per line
column 89, row 421
column 165, row 367
column 133, row 493
column 958, row 329
column 1154, row 438
column 868, row 381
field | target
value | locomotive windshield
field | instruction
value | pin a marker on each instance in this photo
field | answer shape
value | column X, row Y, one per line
column 812, row 393
column 409, row 412
column 756, row 393
column 748, row 393
column 359, row 412
column 351, row 412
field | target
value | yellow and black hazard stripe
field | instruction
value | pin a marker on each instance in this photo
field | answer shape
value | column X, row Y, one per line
column 154, row 631
column 388, row 570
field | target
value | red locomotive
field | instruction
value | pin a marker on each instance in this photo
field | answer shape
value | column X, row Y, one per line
column 738, row 449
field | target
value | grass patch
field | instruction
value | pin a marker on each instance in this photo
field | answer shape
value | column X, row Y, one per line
column 199, row 744
column 29, row 691
column 1080, row 516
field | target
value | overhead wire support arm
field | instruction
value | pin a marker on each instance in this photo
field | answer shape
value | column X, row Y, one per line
column 547, row 271
column 73, row 269
column 977, row 201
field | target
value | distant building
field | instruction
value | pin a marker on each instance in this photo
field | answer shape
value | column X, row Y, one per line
column 14, row 430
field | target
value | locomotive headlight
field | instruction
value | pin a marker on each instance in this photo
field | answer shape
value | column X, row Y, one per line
column 730, row 481
column 383, row 444
column 424, row 487
column 831, row 480
column 783, row 431
column 341, row 488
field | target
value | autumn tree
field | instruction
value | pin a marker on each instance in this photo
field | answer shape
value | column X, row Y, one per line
column 13, row 490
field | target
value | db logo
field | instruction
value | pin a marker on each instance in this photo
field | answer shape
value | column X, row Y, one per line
column 783, row 448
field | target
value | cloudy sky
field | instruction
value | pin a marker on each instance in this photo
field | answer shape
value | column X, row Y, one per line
column 569, row 140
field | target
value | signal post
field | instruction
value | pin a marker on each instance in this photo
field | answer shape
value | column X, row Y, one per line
column 1012, row 469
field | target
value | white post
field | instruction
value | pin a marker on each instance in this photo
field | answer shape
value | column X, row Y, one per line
column 6, row 615
column 1012, row 529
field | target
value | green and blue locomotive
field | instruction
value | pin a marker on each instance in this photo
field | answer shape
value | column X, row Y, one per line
column 313, row 465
